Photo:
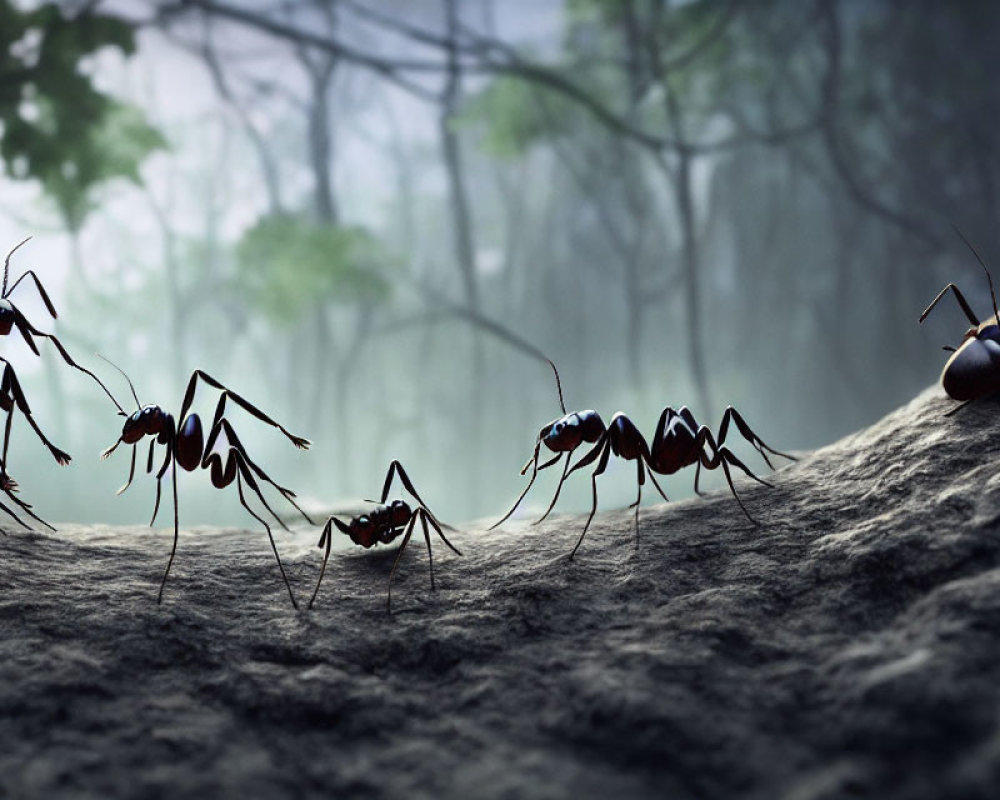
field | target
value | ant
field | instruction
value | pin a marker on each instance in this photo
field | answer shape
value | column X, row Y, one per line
column 973, row 370
column 11, row 397
column 223, row 454
column 11, row 317
column 383, row 524
column 562, row 436
column 679, row 442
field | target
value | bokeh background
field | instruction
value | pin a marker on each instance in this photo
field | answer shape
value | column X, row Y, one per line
column 363, row 214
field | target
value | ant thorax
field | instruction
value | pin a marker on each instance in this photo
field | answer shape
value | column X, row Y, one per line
column 677, row 426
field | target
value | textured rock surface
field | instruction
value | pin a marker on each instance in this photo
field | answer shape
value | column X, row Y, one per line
column 850, row 647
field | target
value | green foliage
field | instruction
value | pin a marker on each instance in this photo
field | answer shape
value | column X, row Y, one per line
column 288, row 266
column 517, row 114
column 56, row 127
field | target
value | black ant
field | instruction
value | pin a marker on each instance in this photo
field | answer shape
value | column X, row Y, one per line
column 562, row 436
column 383, row 524
column 678, row 442
column 223, row 454
column 973, row 370
column 11, row 317
column 11, row 396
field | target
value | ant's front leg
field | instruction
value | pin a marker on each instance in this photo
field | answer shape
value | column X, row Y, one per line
column 562, row 478
column 601, row 466
column 723, row 456
column 759, row 444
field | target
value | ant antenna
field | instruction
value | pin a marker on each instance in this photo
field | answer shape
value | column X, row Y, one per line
column 996, row 314
column 6, row 266
column 127, row 378
column 558, row 385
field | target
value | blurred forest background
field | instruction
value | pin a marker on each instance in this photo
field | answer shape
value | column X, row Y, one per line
column 354, row 212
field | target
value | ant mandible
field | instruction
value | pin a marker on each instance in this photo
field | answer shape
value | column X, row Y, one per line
column 383, row 524
column 223, row 454
column 11, row 317
column 678, row 442
column 11, row 397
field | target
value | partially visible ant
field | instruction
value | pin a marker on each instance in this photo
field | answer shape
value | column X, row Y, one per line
column 678, row 442
column 223, row 454
column 11, row 396
column 973, row 370
column 11, row 317
column 382, row 525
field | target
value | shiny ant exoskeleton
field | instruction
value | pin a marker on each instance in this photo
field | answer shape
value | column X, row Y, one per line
column 678, row 442
column 382, row 525
column 223, row 454
column 562, row 436
column 11, row 397
column 973, row 370
column 11, row 317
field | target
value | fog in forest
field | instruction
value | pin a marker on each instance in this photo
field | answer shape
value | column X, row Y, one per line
column 371, row 218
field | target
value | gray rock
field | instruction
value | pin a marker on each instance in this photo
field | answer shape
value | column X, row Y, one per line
column 848, row 647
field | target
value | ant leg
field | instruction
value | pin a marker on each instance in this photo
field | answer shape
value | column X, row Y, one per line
column 395, row 564
column 159, row 475
column 298, row 441
column 41, row 291
column 27, row 330
column 131, row 471
column 10, row 383
column 20, row 521
column 408, row 485
column 324, row 541
column 759, row 444
column 8, row 485
column 555, row 497
column 652, row 477
column 427, row 538
column 534, row 474
column 274, row 547
column 957, row 408
column 173, row 550
column 641, row 476
column 601, row 466
column 436, row 525
column 723, row 456
column 961, row 301
column 236, row 444
column 6, row 443
column 242, row 469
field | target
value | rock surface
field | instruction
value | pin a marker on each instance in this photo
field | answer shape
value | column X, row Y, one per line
column 848, row 647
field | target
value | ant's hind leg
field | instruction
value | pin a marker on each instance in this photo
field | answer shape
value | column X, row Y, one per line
column 270, row 536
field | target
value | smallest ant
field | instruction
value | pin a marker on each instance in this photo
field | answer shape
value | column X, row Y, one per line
column 382, row 525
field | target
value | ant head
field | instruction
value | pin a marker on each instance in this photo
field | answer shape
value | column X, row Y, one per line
column 145, row 421
column 564, row 434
